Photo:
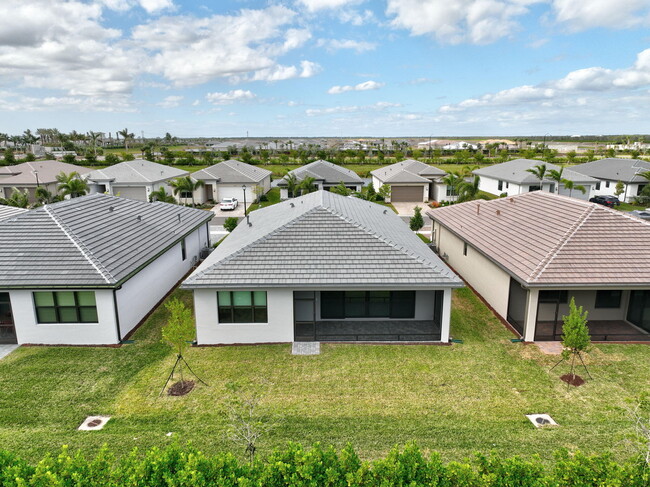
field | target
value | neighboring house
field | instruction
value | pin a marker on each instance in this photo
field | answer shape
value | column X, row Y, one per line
column 225, row 180
column 88, row 270
column 512, row 177
column 412, row 181
column 326, row 176
column 31, row 175
column 610, row 171
column 133, row 179
column 322, row 267
column 527, row 255
column 7, row 212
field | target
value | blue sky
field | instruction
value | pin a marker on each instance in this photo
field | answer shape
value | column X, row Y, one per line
column 326, row 67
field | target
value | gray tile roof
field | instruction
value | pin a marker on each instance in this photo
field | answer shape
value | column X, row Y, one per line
column 138, row 171
column 47, row 172
column 232, row 172
column 323, row 240
column 408, row 171
column 546, row 239
column 95, row 240
column 327, row 172
column 515, row 171
column 626, row 170
column 7, row 212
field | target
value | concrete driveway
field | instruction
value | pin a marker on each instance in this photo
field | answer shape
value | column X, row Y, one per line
column 220, row 216
column 408, row 209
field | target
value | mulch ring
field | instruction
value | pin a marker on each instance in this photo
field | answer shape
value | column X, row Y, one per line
column 572, row 379
column 181, row 388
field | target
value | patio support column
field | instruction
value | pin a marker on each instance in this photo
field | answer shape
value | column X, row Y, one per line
column 445, row 316
column 531, row 315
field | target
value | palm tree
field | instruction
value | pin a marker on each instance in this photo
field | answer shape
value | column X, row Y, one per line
column 71, row 184
column 570, row 185
column 539, row 172
column 468, row 191
column 556, row 176
column 342, row 189
column 307, row 185
column 126, row 135
column 94, row 137
column 43, row 196
column 186, row 185
column 645, row 175
column 292, row 184
column 452, row 180
column 18, row 198
column 161, row 195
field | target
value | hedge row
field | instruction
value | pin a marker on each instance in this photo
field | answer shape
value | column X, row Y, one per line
column 319, row 467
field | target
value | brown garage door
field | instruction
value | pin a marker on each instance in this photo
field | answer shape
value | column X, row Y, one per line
column 131, row 192
column 406, row 193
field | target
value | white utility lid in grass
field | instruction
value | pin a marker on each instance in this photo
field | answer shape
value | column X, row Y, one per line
column 540, row 420
column 92, row 423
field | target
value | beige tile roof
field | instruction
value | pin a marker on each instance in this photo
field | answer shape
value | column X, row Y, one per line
column 546, row 239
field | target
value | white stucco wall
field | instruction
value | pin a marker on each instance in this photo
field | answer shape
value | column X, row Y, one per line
column 488, row 279
column 491, row 185
column 278, row 329
column 140, row 294
column 629, row 190
column 28, row 330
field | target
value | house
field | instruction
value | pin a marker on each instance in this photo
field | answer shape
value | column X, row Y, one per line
column 326, row 176
column 527, row 255
column 512, row 177
column 322, row 267
column 610, row 171
column 135, row 179
column 30, row 175
column 88, row 270
column 7, row 212
column 225, row 180
column 412, row 181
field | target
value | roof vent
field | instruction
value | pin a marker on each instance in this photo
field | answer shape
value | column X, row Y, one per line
column 139, row 218
column 512, row 200
column 291, row 205
column 498, row 212
column 111, row 208
column 385, row 211
column 478, row 208
column 179, row 217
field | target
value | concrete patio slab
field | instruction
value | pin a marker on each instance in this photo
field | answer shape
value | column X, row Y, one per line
column 550, row 348
column 305, row 348
column 7, row 349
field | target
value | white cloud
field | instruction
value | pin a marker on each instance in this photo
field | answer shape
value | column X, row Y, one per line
column 315, row 5
column 230, row 97
column 189, row 50
column 365, row 86
column 356, row 18
column 279, row 73
column 617, row 14
column 336, row 44
column 379, row 106
column 171, row 101
column 152, row 6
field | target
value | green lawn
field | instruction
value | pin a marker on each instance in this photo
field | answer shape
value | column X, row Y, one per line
column 273, row 197
column 454, row 399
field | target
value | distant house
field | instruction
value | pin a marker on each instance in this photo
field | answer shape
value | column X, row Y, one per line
column 326, row 176
column 133, row 179
column 610, row 171
column 88, row 270
column 512, row 177
column 322, row 267
column 527, row 255
column 225, row 180
column 30, row 175
column 412, row 181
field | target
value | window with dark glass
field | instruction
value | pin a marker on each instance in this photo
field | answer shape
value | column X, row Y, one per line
column 500, row 185
column 607, row 184
column 242, row 307
column 598, row 185
column 554, row 296
column 65, row 307
column 183, row 250
column 534, row 187
column 640, row 189
column 608, row 298
column 451, row 191
column 367, row 304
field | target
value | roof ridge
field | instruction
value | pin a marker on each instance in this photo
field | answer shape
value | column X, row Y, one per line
column 108, row 277
column 145, row 177
column 236, row 168
column 545, row 262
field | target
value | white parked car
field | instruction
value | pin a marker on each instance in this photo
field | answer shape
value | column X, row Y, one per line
column 228, row 204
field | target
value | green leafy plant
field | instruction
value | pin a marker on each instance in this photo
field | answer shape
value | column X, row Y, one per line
column 230, row 223
column 416, row 222
column 575, row 335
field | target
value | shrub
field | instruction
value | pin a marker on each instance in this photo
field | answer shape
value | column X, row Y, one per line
column 230, row 223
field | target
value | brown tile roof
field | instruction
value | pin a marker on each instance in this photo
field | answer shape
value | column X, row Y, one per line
column 545, row 239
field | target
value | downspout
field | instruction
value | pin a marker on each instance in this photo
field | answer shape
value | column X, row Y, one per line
column 117, row 316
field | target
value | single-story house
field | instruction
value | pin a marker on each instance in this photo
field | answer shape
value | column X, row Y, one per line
column 225, row 180
column 326, row 176
column 7, row 212
column 412, row 181
column 322, row 267
column 88, row 270
column 512, row 177
column 31, row 175
column 135, row 179
column 610, row 171
column 527, row 255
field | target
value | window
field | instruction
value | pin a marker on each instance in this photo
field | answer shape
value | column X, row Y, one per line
column 534, row 187
column 451, row 191
column 183, row 250
column 500, row 185
column 607, row 184
column 186, row 194
column 367, row 304
column 65, row 307
column 554, row 296
column 640, row 189
column 608, row 298
column 242, row 307
column 598, row 185
column 464, row 248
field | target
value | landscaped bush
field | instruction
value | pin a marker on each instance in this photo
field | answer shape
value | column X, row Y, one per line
column 318, row 467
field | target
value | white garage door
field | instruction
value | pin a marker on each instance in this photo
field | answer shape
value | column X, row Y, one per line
column 132, row 192
column 234, row 192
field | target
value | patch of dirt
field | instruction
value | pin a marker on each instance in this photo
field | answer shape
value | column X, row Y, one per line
column 574, row 380
column 181, row 388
